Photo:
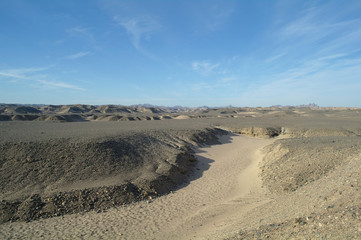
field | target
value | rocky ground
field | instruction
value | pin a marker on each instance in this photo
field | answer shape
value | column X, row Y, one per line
column 59, row 176
column 317, row 178
column 51, row 168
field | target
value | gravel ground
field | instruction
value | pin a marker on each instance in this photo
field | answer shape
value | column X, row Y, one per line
column 312, row 172
column 293, row 163
column 56, row 176
column 315, row 187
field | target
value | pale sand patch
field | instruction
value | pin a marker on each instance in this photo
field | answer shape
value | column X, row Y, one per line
column 224, row 189
column 182, row 117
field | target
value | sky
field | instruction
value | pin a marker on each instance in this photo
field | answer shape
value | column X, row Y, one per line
column 189, row 53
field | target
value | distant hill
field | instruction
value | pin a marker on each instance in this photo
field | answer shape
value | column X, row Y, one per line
column 311, row 105
column 82, row 112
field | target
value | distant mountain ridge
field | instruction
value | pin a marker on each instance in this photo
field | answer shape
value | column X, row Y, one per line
column 83, row 112
column 310, row 105
column 83, row 108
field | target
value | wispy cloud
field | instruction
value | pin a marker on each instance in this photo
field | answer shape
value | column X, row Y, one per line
column 274, row 58
column 222, row 83
column 305, row 25
column 56, row 85
column 86, row 35
column 19, row 73
column 77, row 55
column 228, row 79
column 83, row 31
column 204, row 67
column 311, row 48
column 315, row 25
column 36, row 77
column 59, row 42
column 316, row 66
column 200, row 86
column 139, row 29
column 320, row 80
column 217, row 15
column 211, row 16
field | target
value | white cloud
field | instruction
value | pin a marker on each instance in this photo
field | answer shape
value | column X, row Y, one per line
column 81, row 31
column 274, row 58
column 329, row 79
column 59, row 42
column 139, row 29
column 34, row 76
column 312, row 41
column 315, row 24
column 210, row 16
column 200, row 86
column 222, row 83
column 86, row 35
column 20, row 73
column 228, row 79
column 56, row 85
column 204, row 67
column 77, row 55
column 217, row 15
column 305, row 25
column 9, row 74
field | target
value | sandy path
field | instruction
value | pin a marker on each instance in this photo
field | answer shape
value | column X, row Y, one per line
column 224, row 189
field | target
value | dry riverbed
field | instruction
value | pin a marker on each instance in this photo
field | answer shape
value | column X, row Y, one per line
column 225, row 187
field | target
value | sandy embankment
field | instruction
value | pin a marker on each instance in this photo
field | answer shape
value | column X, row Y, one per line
column 225, row 187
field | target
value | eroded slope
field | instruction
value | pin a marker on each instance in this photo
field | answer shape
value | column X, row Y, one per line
column 313, row 179
column 66, row 175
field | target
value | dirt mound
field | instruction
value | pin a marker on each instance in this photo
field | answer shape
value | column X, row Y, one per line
column 317, row 132
column 326, row 208
column 76, row 201
column 32, row 172
column 314, row 178
column 292, row 163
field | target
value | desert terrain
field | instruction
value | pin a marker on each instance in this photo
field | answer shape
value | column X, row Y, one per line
column 145, row 172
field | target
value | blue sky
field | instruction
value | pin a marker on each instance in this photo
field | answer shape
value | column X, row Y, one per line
column 190, row 53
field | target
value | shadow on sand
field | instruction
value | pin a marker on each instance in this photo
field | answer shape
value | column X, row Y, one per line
column 203, row 163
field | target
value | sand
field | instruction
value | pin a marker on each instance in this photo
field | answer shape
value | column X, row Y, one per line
column 310, row 174
column 225, row 181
